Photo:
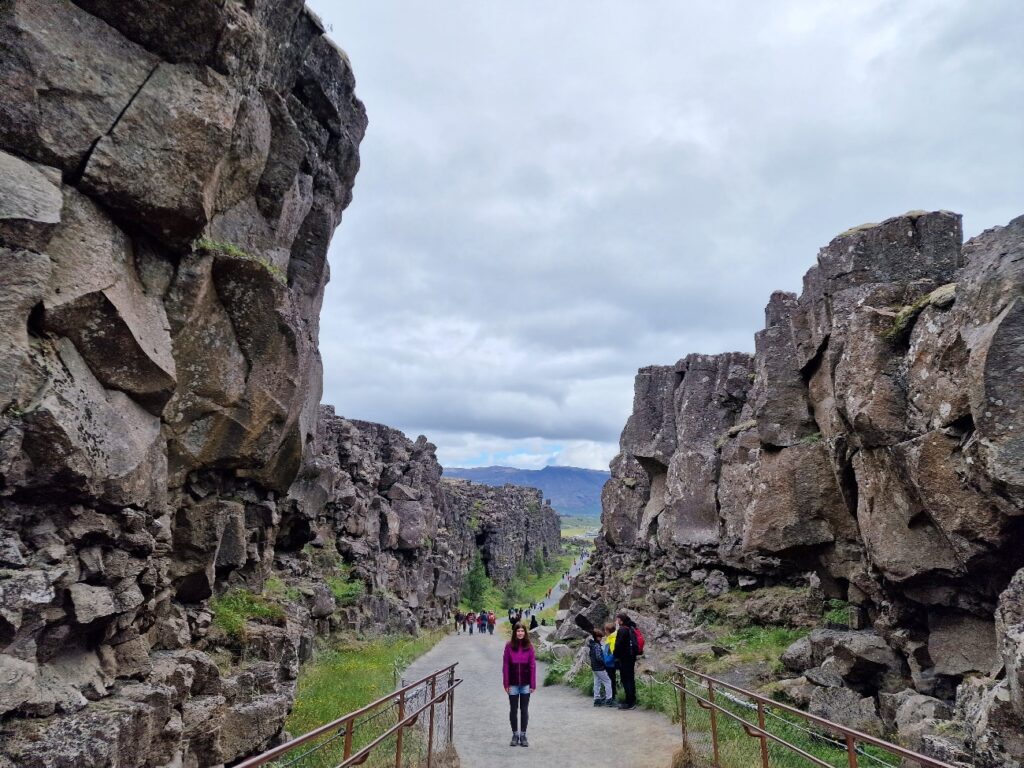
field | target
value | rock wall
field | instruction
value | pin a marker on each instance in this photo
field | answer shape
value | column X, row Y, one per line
column 509, row 525
column 876, row 440
column 374, row 497
column 171, row 176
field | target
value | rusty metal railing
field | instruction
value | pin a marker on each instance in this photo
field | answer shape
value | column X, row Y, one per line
column 387, row 731
column 725, row 726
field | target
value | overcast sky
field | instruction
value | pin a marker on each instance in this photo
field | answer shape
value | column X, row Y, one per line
column 554, row 194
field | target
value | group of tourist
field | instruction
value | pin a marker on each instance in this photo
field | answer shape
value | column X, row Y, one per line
column 613, row 651
column 483, row 621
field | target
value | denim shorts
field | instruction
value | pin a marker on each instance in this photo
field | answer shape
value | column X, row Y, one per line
column 518, row 690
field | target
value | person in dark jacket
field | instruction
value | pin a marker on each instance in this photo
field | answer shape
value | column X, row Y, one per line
column 625, row 658
column 597, row 666
column 519, row 676
column 533, row 622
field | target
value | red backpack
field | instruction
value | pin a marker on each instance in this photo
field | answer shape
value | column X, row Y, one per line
column 638, row 641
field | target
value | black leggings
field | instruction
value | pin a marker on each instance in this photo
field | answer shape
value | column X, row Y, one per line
column 521, row 703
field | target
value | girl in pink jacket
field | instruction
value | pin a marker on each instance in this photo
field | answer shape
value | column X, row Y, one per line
column 519, row 675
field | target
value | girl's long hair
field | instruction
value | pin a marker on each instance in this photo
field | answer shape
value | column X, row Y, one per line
column 515, row 642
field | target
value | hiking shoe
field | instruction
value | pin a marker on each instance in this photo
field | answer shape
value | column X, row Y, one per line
column 627, row 706
column 522, row 740
column 598, row 702
column 611, row 703
column 515, row 740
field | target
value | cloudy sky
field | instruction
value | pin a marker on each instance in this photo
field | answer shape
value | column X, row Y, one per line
column 554, row 194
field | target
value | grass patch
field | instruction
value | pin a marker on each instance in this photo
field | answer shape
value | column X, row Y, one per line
column 345, row 589
column 838, row 613
column 349, row 674
column 737, row 748
column 751, row 645
column 232, row 611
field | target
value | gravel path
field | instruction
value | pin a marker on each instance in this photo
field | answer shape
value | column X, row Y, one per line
column 565, row 728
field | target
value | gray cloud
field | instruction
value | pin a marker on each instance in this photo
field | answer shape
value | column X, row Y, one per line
column 553, row 195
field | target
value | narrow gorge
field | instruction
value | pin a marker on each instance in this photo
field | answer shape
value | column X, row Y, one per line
column 868, row 458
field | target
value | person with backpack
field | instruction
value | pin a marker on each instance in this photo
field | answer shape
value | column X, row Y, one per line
column 460, row 621
column 627, row 648
column 608, row 647
column 471, row 621
column 601, row 680
column 481, row 622
column 519, row 677
column 491, row 621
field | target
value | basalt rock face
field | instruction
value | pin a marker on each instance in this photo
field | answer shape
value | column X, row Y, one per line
column 874, row 439
column 169, row 181
column 376, row 498
column 509, row 525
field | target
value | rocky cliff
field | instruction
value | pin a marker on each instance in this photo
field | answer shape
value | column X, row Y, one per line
column 509, row 525
column 171, row 177
column 375, row 499
column 875, row 441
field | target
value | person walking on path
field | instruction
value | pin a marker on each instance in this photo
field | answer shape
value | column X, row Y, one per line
column 533, row 622
column 471, row 620
column 625, row 658
column 609, row 654
column 460, row 620
column 491, row 621
column 519, row 676
column 601, row 680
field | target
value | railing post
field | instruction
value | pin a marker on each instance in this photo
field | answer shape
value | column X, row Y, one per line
column 348, row 737
column 451, row 715
column 401, row 731
column 682, row 711
column 430, row 735
column 714, row 723
column 763, row 738
column 851, row 751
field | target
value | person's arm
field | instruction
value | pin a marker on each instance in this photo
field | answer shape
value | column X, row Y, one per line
column 505, row 661
column 533, row 670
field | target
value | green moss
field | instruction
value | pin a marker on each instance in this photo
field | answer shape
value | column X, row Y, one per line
column 276, row 589
column 232, row 611
column 217, row 247
column 903, row 323
column 811, row 439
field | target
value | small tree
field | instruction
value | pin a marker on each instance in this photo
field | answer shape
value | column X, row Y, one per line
column 475, row 586
column 539, row 566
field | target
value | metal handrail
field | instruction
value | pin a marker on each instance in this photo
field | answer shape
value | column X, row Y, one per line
column 344, row 720
column 849, row 735
column 362, row 754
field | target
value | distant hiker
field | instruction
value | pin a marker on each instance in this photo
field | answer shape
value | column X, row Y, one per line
column 519, row 676
column 533, row 622
column 491, row 621
column 609, row 654
column 471, row 621
column 481, row 622
column 597, row 667
column 625, row 658
column 460, row 621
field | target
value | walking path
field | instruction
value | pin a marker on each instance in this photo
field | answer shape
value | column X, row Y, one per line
column 565, row 728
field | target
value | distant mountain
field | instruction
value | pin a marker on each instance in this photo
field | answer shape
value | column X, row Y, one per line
column 572, row 491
